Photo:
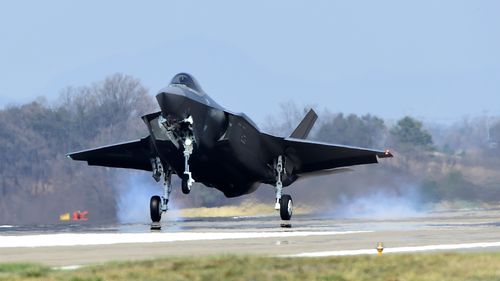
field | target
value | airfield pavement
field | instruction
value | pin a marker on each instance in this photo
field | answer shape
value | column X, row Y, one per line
column 309, row 235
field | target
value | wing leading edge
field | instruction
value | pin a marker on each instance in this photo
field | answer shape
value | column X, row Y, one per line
column 131, row 155
column 315, row 156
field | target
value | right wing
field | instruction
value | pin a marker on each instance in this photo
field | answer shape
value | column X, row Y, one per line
column 316, row 156
column 131, row 155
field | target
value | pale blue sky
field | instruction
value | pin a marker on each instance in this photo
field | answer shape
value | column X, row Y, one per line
column 438, row 60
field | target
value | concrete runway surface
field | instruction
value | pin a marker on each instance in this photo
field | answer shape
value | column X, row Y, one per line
column 308, row 236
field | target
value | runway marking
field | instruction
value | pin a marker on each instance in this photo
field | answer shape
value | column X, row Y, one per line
column 398, row 249
column 68, row 267
column 84, row 239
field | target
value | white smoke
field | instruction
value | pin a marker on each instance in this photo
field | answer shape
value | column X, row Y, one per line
column 381, row 204
column 135, row 193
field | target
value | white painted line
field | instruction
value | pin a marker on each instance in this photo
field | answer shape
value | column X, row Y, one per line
column 6, row 226
column 399, row 249
column 83, row 239
column 67, row 267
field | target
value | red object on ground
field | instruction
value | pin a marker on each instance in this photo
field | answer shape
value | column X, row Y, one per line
column 83, row 216
column 80, row 216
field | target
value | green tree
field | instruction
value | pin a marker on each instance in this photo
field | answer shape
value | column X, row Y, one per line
column 409, row 134
column 364, row 131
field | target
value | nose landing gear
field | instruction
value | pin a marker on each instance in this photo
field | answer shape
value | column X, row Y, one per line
column 181, row 133
column 187, row 179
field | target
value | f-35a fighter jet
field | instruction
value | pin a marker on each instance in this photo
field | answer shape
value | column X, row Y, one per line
column 200, row 141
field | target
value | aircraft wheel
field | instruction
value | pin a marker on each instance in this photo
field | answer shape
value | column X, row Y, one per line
column 286, row 207
column 184, row 185
column 154, row 207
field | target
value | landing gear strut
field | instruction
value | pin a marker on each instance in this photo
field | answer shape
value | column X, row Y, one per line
column 181, row 133
column 283, row 201
column 159, row 205
column 187, row 179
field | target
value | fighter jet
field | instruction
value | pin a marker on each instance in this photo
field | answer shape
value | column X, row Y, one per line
column 198, row 140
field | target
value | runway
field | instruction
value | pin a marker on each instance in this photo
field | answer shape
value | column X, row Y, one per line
column 307, row 236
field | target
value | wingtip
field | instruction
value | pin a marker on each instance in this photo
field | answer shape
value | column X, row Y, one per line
column 387, row 154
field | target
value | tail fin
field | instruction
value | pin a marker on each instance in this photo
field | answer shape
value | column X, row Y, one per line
column 305, row 125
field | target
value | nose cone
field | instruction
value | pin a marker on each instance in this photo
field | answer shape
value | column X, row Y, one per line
column 173, row 103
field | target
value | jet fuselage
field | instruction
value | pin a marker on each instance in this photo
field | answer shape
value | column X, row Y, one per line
column 225, row 149
column 194, row 137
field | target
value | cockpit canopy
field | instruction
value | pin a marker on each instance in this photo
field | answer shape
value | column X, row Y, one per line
column 187, row 80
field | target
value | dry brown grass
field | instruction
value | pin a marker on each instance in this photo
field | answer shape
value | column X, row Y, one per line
column 246, row 208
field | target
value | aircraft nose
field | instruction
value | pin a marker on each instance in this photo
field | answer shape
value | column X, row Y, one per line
column 173, row 104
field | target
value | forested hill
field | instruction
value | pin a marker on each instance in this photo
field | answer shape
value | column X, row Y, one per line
column 37, row 181
column 432, row 163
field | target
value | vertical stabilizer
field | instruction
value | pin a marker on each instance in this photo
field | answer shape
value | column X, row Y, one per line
column 305, row 126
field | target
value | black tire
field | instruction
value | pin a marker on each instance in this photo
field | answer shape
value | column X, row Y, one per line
column 286, row 207
column 184, row 184
column 154, row 207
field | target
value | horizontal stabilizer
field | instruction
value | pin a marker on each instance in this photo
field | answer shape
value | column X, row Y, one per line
column 314, row 156
column 305, row 126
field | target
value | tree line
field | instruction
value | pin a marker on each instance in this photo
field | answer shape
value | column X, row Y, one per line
column 37, row 181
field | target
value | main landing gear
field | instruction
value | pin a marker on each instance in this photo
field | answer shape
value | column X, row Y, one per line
column 283, row 201
column 159, row 205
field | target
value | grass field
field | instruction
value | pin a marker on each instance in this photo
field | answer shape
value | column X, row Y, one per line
column 431, row 266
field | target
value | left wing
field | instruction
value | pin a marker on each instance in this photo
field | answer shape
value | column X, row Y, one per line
column 316, row 156
column 131, row 155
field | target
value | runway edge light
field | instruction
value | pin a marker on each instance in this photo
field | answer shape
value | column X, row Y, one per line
column 380, row 248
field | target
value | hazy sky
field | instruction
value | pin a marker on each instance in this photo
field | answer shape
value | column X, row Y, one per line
column 438, row 60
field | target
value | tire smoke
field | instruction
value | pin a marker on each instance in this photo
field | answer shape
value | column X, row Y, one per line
column 381, row 204
column 135, row 193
